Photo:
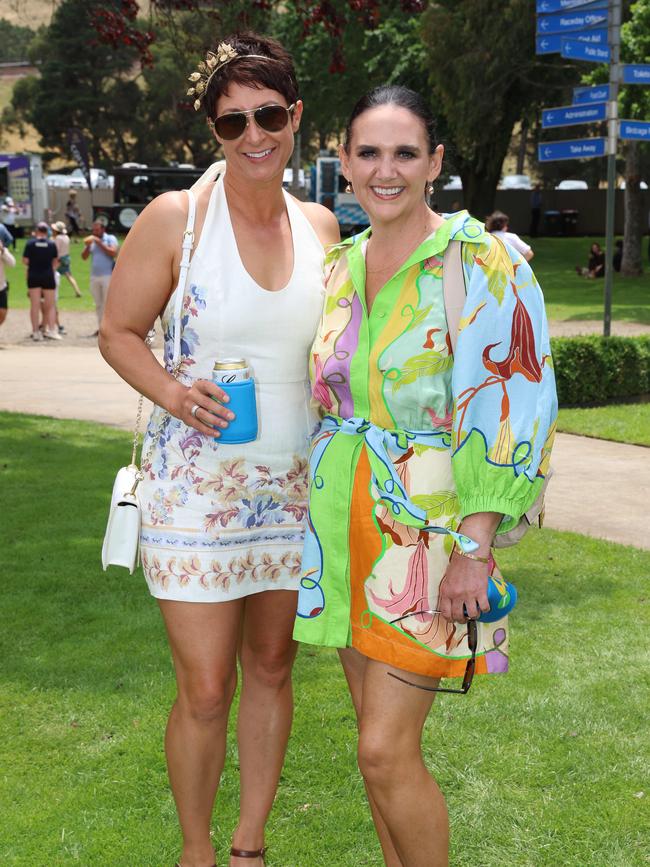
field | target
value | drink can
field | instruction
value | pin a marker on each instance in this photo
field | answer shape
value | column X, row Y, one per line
column 229, row 370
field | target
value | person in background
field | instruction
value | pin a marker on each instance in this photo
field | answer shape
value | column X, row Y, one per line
column 535, row 210
column 41, row 258
column 73, row 214
column 62, row 241
column 617, row 260
column 6, row 238
column 9, row 211
column 497, row 225
column 102, row 248
column 595, row 264
column 5, row 259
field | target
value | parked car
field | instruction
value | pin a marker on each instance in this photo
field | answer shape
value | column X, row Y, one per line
column 454, row 183
column 642, row 185
column 515, row 182
column 570, row 184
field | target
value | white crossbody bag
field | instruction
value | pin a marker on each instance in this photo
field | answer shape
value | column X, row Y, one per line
column 121, row 545
column 454, row 292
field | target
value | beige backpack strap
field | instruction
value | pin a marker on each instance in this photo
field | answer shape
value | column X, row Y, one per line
column 453, row 289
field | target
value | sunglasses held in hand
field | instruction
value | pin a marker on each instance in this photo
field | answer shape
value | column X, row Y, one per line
column 472, row 641
column 270, row 118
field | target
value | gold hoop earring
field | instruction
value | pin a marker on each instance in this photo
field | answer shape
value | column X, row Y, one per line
column 348, row 188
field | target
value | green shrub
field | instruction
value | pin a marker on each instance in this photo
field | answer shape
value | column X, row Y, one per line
column 597, row 370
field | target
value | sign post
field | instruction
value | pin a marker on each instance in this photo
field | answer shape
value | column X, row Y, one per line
column 612, row 147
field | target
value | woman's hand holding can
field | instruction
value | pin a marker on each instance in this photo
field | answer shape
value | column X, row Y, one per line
column 202, row 406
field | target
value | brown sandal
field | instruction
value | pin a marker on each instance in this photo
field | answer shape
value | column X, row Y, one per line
column 249, row 853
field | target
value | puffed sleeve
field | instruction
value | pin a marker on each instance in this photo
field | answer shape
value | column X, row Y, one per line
column 505, row 403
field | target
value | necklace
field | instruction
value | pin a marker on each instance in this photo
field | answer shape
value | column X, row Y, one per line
column 401, row 258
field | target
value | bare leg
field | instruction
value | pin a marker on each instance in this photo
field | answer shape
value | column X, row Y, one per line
column 390, row 759
column 49, row 310
column 354, row 666
column 3, row 314
column 265, row 711
column 75, row 285
column 203, row 639
column 35, row 308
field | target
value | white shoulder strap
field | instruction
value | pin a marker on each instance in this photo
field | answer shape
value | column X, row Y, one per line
column 209, row 175
column 453, row 289
column 188, row 244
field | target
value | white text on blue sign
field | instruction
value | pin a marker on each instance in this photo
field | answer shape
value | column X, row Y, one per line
column 573, row 149
column 548, row 24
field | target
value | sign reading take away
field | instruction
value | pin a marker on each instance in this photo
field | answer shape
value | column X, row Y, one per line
column 573, row 149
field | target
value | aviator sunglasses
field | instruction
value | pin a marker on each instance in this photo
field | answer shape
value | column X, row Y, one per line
column 270, row 118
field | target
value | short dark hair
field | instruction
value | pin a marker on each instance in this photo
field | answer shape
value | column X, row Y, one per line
column 277, row 74
column 394, row 94
column 497, row 221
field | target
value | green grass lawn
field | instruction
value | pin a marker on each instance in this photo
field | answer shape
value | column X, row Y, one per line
column 547, row 766
column 571, row 297
column 624, row 423
column 567, row 295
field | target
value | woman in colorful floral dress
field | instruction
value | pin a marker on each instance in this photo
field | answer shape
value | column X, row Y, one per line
column 419, row 447
column 223, row 525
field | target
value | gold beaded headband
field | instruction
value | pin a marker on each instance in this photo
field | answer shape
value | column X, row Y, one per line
column 214, row 61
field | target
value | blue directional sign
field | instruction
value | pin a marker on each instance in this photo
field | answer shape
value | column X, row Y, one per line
column 573, row 149
column 575, row 50
column 553, row 44
column 543, row 7
column 569, row 21
column 567, row 115
column 636, row 129
column 584, row 95
column 636, row 73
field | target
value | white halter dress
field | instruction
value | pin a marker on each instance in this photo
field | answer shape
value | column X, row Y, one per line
column 223, row 521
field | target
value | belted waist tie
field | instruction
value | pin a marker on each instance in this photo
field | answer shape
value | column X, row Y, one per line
column 380, row 442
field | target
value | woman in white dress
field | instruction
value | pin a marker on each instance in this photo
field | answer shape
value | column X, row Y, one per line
column 223, row 524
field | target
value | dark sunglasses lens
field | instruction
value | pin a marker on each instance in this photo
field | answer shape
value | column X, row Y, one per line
column 230, row 126
column 272, row 118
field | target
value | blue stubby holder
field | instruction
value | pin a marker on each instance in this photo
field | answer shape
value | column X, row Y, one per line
column 502, row 596
column 243, row 428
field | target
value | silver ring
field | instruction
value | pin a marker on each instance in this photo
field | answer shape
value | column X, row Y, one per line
column 194, row 410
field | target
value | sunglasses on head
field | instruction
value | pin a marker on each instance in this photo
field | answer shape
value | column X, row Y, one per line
column 270, row 118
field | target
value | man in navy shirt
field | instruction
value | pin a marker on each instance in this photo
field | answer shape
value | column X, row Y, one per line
column 41, row 258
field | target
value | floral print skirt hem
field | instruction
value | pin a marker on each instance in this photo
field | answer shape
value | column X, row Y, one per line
column 192, row 577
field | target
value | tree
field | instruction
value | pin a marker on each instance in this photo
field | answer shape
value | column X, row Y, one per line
column 486, row 77
column 82, row 84
column 388, row 52
column 634, row 104
column 14, row 41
